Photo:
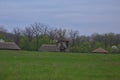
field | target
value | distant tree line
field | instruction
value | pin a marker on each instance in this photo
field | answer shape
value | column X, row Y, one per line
column 33, row 36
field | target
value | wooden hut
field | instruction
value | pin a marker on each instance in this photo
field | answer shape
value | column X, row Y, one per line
column 8, row 46
column 99, row 50
column 49, row 48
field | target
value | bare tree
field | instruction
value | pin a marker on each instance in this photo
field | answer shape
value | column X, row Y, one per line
column 44, row 30
column 38, row 30
column 73, row 35
column 17, row 35
column 51, row 34
column 28, row 32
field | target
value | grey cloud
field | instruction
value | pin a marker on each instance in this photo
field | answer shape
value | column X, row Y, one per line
column 77, row 14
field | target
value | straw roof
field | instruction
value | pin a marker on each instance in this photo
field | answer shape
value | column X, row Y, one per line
column 8, row 46
column 49, row 48
column 100, row 50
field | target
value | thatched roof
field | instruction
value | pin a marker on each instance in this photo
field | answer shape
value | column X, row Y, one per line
column 100, row 50
column 49, row 48
column 8, row 46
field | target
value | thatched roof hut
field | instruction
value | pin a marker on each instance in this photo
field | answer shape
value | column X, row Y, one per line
column 99, row 50
column 49, row 48
column 8, row 46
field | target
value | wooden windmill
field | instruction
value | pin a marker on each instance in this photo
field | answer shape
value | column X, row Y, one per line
column 61, row 41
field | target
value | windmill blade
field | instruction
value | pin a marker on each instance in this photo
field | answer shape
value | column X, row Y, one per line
column 63, row 33
column 64, row 45
column 57, row 35
column 58, row 46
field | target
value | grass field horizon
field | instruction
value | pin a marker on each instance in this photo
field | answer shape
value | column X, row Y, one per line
column 31, row 65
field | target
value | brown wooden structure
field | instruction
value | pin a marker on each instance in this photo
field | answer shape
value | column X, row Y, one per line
column 9, row 46
column 99, row 50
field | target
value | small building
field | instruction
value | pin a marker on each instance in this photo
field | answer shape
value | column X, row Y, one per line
column 99, row 50
column 49, row 48
column 9, row 46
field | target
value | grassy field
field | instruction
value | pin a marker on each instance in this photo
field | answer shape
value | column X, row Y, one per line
column 25, row 65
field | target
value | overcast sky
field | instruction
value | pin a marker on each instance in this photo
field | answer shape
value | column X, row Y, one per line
column 87, row 16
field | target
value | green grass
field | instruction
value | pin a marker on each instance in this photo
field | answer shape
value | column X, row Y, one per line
column 25, row 65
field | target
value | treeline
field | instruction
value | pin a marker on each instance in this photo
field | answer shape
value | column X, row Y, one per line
column 33, row 36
